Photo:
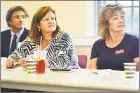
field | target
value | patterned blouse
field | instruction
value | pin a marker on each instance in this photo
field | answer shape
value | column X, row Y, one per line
column 60, row 53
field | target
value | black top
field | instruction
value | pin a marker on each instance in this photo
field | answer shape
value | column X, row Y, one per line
column 113, row 58
column 5, row 41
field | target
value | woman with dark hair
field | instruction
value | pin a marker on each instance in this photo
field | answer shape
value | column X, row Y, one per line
column 58, row 45
column 115, row 46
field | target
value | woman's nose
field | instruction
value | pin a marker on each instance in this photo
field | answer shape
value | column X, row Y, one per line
column 50, row 21
column 121, row 20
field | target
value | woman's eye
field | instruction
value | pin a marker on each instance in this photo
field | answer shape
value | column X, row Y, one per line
column 122, row 17
column 17, row 17
column 53, row 18
column 46, row 19
column 115, row 18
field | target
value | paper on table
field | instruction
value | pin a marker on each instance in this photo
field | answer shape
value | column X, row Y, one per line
column 101, row 72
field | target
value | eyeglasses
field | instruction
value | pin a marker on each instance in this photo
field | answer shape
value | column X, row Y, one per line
column 18, row 17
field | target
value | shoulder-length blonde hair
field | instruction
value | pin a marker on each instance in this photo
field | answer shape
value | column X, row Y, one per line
column 104, row 18
column 34, row 32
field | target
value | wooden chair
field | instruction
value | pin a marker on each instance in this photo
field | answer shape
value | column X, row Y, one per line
column 82, row 61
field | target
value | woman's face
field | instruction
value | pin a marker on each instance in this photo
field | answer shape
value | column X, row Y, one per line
column 116, row 22
column 48, row 23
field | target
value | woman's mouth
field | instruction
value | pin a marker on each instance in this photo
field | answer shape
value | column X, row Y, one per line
column 121, row 26
column 51, row 26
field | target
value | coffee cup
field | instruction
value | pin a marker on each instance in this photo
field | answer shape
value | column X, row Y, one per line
column 31, row 64
column 129, row 69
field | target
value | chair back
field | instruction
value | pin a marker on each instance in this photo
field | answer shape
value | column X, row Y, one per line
column 82, row 61
column 137, row 66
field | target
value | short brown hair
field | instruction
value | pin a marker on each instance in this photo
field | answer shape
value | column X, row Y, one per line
column 12, row 10
column 104, row 18
column 34, row 34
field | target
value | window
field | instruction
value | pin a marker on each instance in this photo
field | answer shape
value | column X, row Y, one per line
column 131, row 9
column 93, row 9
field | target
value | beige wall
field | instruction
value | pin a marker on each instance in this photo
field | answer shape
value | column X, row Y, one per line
column 70, row 17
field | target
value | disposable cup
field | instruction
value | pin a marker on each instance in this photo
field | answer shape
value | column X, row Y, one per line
column 129, row 69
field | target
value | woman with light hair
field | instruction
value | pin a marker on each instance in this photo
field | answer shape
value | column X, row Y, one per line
column 115, row 46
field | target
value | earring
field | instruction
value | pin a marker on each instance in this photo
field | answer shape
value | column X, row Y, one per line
column 38, row 30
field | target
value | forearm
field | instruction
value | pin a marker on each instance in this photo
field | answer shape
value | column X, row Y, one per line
column 136, row 59
column 15, row 56
column 93, row 64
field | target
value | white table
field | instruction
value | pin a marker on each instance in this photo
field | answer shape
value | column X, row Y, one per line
column 82, row 80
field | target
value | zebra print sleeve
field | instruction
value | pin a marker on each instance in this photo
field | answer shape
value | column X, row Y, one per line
column 64, row 54
column 27, row 48
column 73, row 56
